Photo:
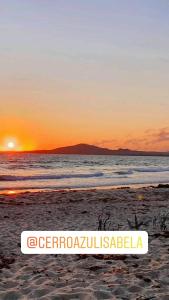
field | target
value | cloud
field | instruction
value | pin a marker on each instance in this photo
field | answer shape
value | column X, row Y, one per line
column 152, row 139
column 161, row 135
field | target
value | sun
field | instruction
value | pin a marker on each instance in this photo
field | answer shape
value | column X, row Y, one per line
column 11, row 145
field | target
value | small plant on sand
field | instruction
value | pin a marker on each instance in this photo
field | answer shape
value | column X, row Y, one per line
column 136, row 224
column 163, row 218
column 104, row 221
column 160, row 221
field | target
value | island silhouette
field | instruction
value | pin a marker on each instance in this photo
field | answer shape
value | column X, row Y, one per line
column 86, row 149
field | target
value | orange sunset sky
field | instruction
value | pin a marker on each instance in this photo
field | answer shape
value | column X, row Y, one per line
column 95, row 72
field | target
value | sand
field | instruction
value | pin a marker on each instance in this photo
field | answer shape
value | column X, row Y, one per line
column 83, row 276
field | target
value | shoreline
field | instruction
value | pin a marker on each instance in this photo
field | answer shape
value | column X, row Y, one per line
column 18, row 190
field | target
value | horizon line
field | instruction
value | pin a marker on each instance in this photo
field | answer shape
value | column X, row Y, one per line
column 84, row 144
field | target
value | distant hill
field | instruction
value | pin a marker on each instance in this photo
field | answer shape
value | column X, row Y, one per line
column 85, row 149
column 82, row 149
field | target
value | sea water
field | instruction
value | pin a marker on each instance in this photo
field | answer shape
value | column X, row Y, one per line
column 36, row 171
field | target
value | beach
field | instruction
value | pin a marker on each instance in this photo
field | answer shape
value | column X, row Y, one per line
column 84, row 150
column 84, row 276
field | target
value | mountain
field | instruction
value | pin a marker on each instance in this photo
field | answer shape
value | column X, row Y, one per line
column 85, row 149
column 82, row 149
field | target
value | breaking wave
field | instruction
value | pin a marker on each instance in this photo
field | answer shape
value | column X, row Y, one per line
column 48, row 177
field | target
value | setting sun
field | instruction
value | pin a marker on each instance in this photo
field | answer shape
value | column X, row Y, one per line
column 11, row 145
column 16, row 143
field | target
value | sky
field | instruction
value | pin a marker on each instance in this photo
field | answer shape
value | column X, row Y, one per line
column 80, row 71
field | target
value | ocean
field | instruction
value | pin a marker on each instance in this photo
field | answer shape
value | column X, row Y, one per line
column 43, row 172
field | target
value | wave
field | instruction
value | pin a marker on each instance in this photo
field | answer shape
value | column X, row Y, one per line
column 143, row 170
column 151, row 169
column 49, row 177
column 127, row 172
column 120, row 174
